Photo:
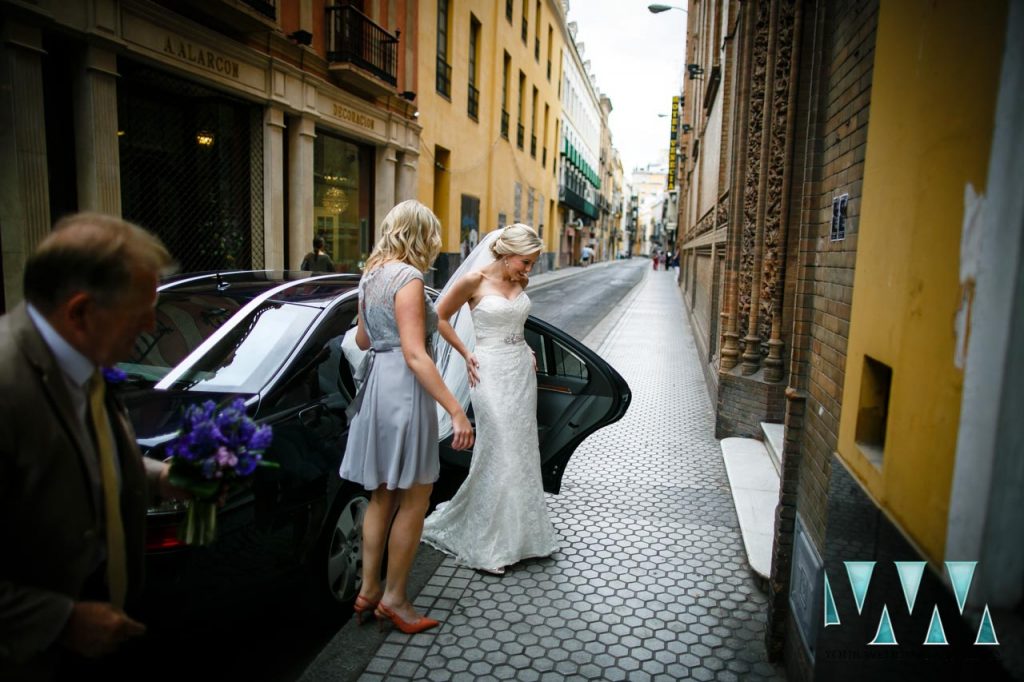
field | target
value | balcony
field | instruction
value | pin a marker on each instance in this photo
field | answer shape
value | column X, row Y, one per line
column 533, row 146
column 444, row 77
column 361, row 53
column 549, row 71
column 575, row 201
column 520, row 134
column 536, row 50
column 250, row 16
column 504, row 124
column 544, row 158
column 473, row 105
column 526, row 30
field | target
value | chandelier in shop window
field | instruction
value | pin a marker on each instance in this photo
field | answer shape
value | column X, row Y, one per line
column 335, row 200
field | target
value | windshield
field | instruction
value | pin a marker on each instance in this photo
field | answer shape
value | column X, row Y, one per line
column 241, row 362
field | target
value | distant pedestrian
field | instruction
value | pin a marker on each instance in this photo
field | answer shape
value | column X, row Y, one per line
column 654, row 260
column 317, row 260
column 586, row 255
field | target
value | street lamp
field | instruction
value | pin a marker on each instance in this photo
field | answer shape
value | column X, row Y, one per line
column 658, row 9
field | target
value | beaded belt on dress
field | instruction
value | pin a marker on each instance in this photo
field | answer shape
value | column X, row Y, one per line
column 511, row 339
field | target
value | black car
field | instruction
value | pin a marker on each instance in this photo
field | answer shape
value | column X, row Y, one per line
column 274, row 339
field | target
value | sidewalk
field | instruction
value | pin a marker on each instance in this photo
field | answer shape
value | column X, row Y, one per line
column 651, row 581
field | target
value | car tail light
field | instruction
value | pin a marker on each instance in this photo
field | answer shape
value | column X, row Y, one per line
column 160, row 538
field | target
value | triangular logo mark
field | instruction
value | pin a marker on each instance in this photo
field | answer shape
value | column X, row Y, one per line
column 831, row 613
column 884, row 636
column 936, row 633
column 910, row 578
column 960, row 574
column 859, row 573
column 986, row 631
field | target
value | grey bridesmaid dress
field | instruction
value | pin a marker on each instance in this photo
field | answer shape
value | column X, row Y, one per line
column 392, row 437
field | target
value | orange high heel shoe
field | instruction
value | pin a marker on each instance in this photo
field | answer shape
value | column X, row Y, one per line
column 423, row 623
column 363, row 607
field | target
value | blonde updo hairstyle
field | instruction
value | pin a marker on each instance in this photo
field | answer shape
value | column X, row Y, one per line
column 410, row 233
column 516, row 240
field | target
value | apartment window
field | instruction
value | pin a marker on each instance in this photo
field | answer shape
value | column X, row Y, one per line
column 473, row 104
column 533, row 126
column 544, row 152
column 536, row 38
column 505, row 73
column 508, row 10
column 551, row 33
column 444, row 69
column 521, row 128
column 526, row 23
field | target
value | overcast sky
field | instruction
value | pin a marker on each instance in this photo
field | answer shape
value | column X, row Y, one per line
column 638, row 60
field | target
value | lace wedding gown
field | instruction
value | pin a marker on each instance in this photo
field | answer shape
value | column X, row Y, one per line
column 498, row 516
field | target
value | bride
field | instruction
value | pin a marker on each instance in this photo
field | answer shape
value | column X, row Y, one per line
column 498, row 516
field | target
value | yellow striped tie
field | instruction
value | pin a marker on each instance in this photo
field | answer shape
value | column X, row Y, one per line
column 117, row 578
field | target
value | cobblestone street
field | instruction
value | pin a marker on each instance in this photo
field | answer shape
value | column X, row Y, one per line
column 651, row 581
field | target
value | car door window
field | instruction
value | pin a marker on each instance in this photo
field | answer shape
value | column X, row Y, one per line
column 320, row 372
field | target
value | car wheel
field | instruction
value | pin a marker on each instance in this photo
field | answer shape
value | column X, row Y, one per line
column 342, row 544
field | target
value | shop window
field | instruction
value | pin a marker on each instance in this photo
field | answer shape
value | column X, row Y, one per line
column 342, row 200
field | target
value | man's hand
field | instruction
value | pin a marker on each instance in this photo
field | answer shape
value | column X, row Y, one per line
column 167, row 490
column 98, row 628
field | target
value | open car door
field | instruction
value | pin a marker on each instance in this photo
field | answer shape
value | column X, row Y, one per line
column 577, row 394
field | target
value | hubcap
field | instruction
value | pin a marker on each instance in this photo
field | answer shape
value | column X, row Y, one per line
column 344, row 555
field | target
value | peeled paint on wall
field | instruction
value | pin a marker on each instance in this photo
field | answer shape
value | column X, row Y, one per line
column 970, row 264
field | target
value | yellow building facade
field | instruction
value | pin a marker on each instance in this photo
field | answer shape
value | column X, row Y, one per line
column 488, row 101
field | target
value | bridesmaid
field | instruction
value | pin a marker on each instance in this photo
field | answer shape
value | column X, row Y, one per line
column 392, row 439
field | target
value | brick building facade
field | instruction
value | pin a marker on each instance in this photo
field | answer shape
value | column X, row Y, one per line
column 778, row 107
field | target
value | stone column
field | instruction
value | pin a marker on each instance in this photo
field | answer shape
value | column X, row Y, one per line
column 752, row 342
column 739, row 138
column 407, row 176
column 273, row 188
column 301, row 134
column 387, row 160
column 24, row 184
column 97, row 155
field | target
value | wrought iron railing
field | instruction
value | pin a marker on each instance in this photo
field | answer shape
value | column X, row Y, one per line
column 444, row 77
column 536, row 49
column 355, row 39
column 520, row 135
column 473, row 105
column 544, row 157
column 533, row 146
column 504, row 124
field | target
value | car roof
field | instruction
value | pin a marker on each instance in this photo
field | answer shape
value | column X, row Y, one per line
column 244, row 285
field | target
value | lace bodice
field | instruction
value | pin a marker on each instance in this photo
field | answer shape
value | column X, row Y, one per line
column 498, row 320
column 377, row 291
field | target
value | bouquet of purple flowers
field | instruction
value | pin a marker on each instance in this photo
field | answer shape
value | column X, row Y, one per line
column 213, row 449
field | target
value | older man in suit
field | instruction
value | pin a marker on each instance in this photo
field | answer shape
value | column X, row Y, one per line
column 73, row 486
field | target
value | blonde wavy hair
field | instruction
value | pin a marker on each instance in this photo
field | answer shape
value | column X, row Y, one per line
column 410, row 233
column 517, row 240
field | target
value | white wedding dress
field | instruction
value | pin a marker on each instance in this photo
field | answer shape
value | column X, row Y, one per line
column 498, row 516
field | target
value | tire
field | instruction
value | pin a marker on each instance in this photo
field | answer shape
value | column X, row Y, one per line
column 338, row 563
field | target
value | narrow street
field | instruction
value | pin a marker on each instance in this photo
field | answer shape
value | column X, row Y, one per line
column 651, row 581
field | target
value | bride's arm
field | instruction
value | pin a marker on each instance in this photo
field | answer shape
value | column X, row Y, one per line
column 460, row 294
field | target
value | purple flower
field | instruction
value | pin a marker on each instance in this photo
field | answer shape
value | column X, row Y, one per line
column 217, row 445
column 113, row 375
